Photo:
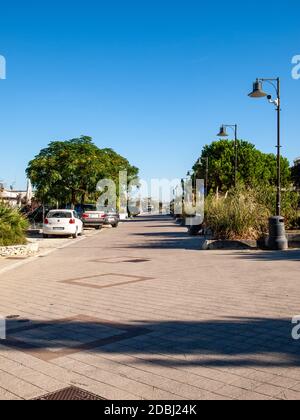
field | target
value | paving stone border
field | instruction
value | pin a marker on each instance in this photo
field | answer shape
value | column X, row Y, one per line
column 19, row 250
column 214, row 244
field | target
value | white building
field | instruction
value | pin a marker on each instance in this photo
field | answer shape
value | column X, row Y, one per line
column 13, row 198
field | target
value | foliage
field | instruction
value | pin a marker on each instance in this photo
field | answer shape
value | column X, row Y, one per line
column 296, row 175
column 12, row 226
column 289, row 203
column 254, row 167
column 236, row 215
column 243, row 213
column 68, row 171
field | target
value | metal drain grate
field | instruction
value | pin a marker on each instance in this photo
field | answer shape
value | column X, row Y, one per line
column 70, row 394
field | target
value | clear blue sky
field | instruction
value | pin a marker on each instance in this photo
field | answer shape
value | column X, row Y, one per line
column 152, row 79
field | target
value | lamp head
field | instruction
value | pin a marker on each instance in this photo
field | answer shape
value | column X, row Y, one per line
column 258, row 91
column 223, row 132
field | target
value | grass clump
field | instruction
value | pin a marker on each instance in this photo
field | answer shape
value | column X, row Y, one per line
column 237, row 215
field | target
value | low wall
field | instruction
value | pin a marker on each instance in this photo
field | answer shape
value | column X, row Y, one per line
column 19, row 250
column 294, row 240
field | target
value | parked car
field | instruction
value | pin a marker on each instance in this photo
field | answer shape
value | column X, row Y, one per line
column 97, row 217
column 112, row 218
column 62, row 223
column 82, row 208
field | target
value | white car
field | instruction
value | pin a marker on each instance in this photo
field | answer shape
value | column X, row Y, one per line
column 62, row 223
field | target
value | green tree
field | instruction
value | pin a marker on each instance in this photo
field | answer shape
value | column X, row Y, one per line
column 68, row 171
column 296, row 174
column 254, row 167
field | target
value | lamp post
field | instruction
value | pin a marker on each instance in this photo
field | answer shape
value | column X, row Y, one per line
column 206, row 160
column 223, row 133
column 277, row 238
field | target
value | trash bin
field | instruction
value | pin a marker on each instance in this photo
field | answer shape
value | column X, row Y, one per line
column 277, row 236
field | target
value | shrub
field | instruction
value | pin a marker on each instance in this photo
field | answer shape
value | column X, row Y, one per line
column 236, row 216
column 243, row 213
column 289, row 204
column 12, row 226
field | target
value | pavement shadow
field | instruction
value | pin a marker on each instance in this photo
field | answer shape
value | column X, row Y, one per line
column 166, row 240
column 231, row 342
column 186, row 243
column 291, row 255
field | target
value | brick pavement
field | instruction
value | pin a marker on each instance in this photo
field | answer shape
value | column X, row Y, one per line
column 140, row 313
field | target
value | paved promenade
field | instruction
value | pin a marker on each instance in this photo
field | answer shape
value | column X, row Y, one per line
column 140, row 313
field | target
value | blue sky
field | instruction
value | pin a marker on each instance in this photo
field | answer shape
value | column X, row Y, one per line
column 152, row 79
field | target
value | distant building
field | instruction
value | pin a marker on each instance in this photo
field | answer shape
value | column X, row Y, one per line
column 17, row 198
column 13, row 198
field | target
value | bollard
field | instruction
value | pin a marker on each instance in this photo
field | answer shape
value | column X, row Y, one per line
column 277, row 237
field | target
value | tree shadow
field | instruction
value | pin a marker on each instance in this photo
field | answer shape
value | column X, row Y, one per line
column 176, row 239
column 230, row 342
column 290, row 255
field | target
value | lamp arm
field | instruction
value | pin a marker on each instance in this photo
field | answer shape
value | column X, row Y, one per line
column 272, row 83
column 233, row 127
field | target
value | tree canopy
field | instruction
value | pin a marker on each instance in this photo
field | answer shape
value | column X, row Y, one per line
column 254, row 167
column 296, row 174
column 68, row 171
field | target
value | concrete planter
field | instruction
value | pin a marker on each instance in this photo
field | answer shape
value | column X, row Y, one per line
column 19, row 250
column 294, row 240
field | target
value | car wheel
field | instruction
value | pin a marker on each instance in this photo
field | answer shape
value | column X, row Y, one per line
column 115, row 225
column 75, row 236
column 98, row 227
column 45, row 236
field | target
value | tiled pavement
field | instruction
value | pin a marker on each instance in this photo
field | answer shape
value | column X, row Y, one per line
column 140, row 313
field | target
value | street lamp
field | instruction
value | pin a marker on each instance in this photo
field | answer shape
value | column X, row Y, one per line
column 277, row 239
column 223, row 133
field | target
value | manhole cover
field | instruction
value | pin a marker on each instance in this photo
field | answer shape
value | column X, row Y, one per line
column 70, row 394
column 137, row 261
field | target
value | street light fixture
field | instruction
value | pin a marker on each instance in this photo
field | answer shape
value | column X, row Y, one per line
column 258, row 90
column 277, row 239
column 223, row 133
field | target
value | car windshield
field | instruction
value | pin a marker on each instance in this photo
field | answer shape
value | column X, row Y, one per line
column 90, row 207
column 60, row 215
